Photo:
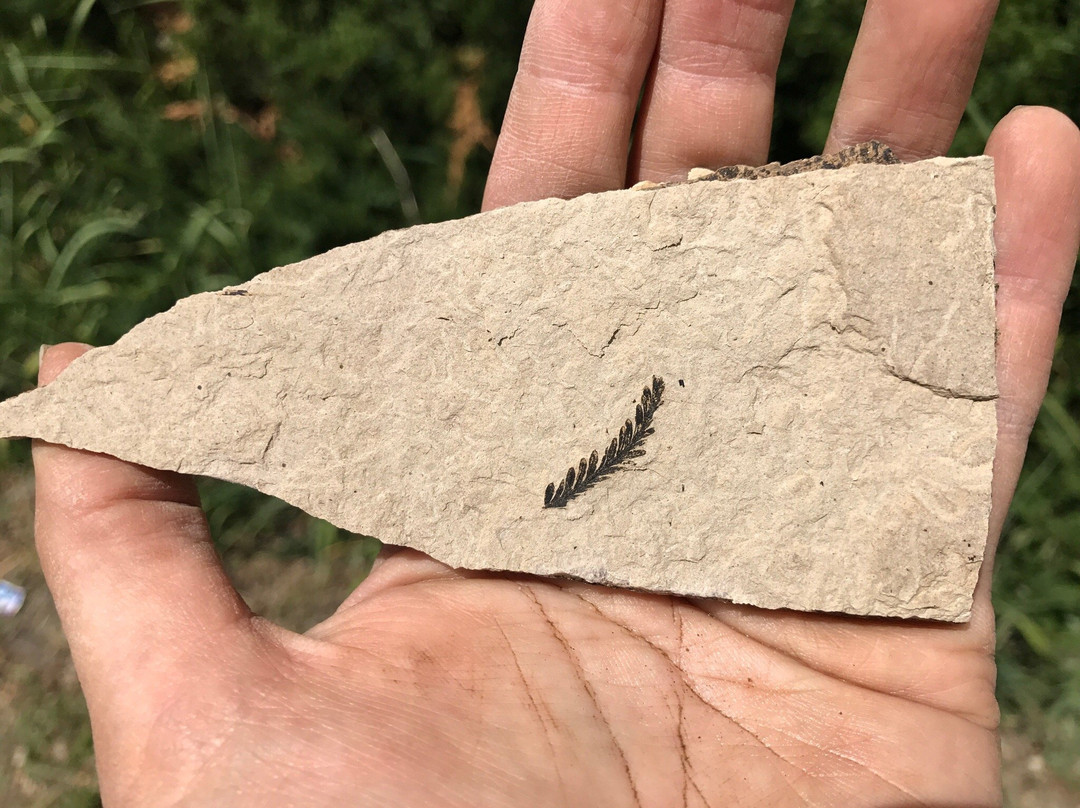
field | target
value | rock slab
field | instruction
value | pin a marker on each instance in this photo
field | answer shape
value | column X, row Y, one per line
column 822, row 438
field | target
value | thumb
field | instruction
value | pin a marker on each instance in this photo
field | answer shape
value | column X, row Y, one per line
column 127, row 555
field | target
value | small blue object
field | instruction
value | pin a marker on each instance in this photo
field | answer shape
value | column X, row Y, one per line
column 12, row 598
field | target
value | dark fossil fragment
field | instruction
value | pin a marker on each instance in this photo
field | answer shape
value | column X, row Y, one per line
column 626, row 446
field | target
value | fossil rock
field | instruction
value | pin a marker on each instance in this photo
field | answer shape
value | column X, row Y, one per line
column 827, row 425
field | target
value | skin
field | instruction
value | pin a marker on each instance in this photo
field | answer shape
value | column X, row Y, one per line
column 431, row 686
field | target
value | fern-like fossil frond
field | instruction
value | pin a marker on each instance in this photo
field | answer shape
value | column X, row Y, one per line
column 627, row 445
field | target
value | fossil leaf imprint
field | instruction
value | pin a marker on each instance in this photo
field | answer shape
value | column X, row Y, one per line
column 626, row 446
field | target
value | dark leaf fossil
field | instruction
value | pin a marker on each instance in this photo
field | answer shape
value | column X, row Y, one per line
column 625, row 446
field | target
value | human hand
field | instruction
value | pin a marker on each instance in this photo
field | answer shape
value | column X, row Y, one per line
column 435, row 686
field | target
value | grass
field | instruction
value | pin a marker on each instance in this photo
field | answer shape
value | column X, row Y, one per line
column 1037, row 577
column 142, row 162
column 46, row 757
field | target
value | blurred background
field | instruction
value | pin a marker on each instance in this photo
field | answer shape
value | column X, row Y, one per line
column 150, row 150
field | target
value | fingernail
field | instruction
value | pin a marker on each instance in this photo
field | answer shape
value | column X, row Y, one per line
column 12, row 598
column 41, row 354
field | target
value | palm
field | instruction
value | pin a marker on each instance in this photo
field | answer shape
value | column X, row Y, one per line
column 431, row 686
column 562, row 694
column 495, row 691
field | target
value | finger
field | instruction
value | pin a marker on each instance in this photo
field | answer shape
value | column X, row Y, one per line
column 567, row 125
column 709, row 99
column 127, row 555
column 1037, row 162
column 911, row 74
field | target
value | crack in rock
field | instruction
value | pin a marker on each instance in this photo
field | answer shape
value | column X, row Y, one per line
column 938, row 390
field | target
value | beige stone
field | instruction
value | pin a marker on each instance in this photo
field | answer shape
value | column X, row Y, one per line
column 823, row 441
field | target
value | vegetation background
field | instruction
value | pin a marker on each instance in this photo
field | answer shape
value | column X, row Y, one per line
column 150, row 150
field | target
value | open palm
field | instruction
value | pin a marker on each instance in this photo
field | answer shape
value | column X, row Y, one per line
column 432, row 686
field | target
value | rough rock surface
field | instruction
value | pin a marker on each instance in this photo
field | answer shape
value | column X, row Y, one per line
column 823, row 440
